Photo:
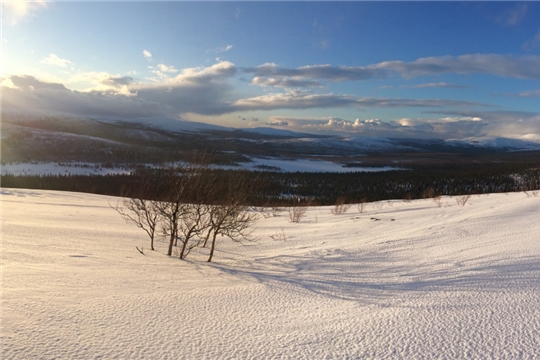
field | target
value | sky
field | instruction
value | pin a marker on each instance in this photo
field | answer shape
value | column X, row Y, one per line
column 391, row 69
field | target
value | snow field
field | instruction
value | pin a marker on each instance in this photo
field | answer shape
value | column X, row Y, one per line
column 401, row 281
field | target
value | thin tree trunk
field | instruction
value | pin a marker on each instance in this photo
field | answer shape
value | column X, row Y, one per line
column 206, row 238
column 184, row 245
column 212, row 247
column 171, row 242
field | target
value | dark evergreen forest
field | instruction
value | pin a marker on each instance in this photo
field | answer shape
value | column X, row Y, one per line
column 417, row 181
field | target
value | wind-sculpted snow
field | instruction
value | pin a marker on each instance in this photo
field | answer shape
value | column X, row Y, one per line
column 399, row 281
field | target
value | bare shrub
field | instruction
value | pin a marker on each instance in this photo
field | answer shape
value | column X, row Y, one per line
column 276, row 211
column 296, row 213
column 533, row 193
column 341, row 207
column 279, row 236
column 263, row 210
column 362, row 205
column 462, row 200
column 408, row 198
column 378, row 205
column 429, row 193
column 437, row 200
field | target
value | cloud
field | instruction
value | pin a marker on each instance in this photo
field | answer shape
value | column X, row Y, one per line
column 202, row 91
column 513, row 16
column 439, row 85
column 533, row 43
column 117, row 81
column 101, row 81
column 15, row 11
column 303, row 100
column 512, row 124
column 166, row 68
column 55, row 98
column 28, row 82
column 147, row 54
column 325, row 72
column 53, row 59
column 525, row 67
column 223, row 49
column 284, row 82
column 529, row 93
column 324, row 44
column 277, row 123
column 195, row 90
column 457, row 126
column 206, row 91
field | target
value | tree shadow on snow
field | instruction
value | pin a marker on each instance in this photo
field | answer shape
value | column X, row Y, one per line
column 372, row 278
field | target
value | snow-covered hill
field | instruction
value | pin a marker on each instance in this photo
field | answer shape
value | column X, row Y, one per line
column 167, row 124
column 399, row 281
column 530, row 142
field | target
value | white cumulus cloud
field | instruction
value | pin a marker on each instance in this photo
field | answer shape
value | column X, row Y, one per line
column 53, row 59
column 166, row 68
column 147, row 54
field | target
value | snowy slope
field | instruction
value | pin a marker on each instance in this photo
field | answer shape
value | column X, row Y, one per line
column 400, row 281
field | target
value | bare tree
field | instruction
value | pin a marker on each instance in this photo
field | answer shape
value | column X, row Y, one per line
column 233, row 221
column 142, row 213
column 231, row 216
column 138, row 208
column 188, row 200
column 197, row 217
column 173, row 207
column 189, row 189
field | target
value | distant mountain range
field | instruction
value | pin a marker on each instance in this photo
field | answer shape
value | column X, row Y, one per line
column 27, row 138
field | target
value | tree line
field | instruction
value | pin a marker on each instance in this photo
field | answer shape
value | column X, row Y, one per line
column 322, row 188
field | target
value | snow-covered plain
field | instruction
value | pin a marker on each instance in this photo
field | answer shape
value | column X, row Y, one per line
column 399, row 281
